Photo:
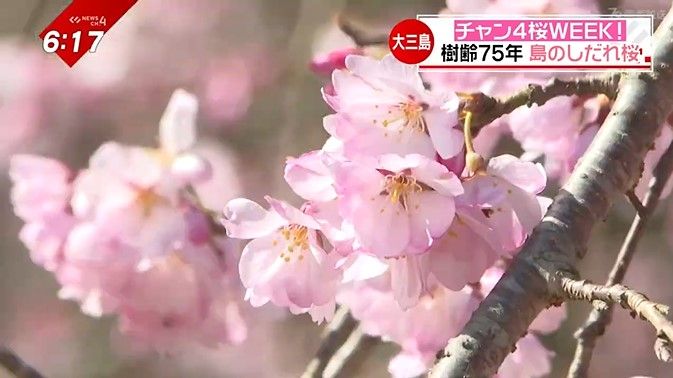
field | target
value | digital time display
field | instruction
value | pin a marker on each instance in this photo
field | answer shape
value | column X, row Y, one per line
column 54, row 40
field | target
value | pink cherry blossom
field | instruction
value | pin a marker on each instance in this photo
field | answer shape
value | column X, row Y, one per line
column 40, row 196
column 310, row 176
column 560, row 130
column 384, row 105
column 228, row 89
column 400, row 205
column 126, row 228
column 466, row 250
column 286, row 262
column 421, row 330
column 324, row 64
column 507, row 195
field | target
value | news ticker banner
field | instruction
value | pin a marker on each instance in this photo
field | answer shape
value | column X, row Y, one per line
column 435, row 42
column 81, row 26
column 524, row 43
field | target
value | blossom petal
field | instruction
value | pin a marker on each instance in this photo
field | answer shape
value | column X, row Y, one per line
column 407, row 280
column 381, row 226
column 526, row 175
column 245, row 219
column 177, row 128
column 445, row 137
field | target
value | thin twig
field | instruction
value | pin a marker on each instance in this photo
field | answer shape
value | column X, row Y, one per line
column 360, row 35
column 335, row 334
column 15, row 365
column 637, row 303
column 356, row 344
column 598, row 319
column 487, row 109
column 635, row 202
column 214, row 218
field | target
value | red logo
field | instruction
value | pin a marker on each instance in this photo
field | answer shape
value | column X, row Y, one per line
column 81, row 27
column 411, row 41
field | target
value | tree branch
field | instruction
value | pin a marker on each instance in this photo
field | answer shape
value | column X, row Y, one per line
column 486, row 109
column 360, row 35
column 640, row 306
column 598, row 320
column 357, row 343
column 608, row 169
column 15, row 365
column 335, row 334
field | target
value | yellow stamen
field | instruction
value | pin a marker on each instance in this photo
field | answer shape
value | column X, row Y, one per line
column 400, row 186
column 148, row 199
column 412, row 115
column 296, row 239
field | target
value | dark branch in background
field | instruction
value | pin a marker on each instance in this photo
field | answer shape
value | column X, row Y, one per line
column 358, row 343
column 609, row 6
column 34, row 16
column 598, row 320
column 361, row 35
column 213, row 217
column 334, row 336
column 609, row 168
column 15, row 365
column 486, row 109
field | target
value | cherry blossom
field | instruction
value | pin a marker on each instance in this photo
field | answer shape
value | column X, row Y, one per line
column 421, row 331
column 126, row 228
column 561, row 130
column 383, row 107
column 41, row 195
column 424, row 329
column 411, row 196
column 507, row 194
column 285, row 263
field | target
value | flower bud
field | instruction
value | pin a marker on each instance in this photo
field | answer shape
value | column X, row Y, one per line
column 474, row 162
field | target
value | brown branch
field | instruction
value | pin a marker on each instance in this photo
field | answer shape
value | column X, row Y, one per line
column 358, row 343
column 361, row 35
column 213, row 217
column 335, row 334
column 639, row 305
column 635, row 202
column 486, row 109
column 15, row 365
column 608, row 169
column 598, row 320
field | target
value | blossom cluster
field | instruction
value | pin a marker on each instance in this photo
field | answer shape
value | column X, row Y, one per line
column 127, row 236
column 401, row 217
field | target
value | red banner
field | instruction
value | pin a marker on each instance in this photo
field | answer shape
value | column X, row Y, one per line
column 81, row 26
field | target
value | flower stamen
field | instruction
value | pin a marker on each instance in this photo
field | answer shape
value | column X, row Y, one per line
column 400, row 186
column 412, row 115
column 296, row 239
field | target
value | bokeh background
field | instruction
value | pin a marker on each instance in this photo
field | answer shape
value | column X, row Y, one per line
column 247, row 61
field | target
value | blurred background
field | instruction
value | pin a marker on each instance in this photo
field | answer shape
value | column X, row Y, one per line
column 248, row 63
